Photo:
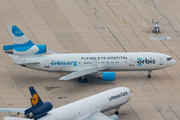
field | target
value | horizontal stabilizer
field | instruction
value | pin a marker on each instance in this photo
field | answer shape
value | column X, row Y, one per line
column 14, row 118
column 83, row 72
column 54, row 52
column 8, row 110
column 13, row 56
column 25, row 62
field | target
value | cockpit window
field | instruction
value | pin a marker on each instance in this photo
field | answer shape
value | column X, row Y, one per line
column 169, row 58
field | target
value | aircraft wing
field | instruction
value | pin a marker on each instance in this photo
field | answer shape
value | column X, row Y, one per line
column 83, row 72
column 98, row 116
column 14, row 118
column 8, row 110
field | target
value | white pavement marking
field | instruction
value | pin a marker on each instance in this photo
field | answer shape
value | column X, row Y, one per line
column 175, row 21
column 160, row 38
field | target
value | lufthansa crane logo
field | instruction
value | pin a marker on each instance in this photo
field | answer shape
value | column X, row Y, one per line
column 34, row 99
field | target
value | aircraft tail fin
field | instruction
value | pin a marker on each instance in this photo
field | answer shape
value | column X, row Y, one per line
column 35, row 100
column 18, row 36
column 38, row 109
column 22, row 44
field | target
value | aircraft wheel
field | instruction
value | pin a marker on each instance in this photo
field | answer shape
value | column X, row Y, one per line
column 85, row 80
column 149, row 76
column 80, row 80
column 116, row 113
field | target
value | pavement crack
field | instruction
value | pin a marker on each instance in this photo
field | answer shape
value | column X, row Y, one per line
column 111, row 10
column 116, row 39
column 95, row 13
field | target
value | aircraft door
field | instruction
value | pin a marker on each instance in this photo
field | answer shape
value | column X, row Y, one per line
column 131, row 62
column 94, row 62
column 47, row 64
column 161, row 61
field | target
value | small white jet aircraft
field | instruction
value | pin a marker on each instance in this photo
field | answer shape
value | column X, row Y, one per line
column 90, row 108
column 27, row 54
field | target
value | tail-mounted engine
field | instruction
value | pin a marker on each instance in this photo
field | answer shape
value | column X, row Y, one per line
column 38, row 112
column 39, row 108
column 25, row 50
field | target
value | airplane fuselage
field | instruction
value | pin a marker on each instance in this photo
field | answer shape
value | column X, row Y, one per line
column 134, row 61
column 81, row 109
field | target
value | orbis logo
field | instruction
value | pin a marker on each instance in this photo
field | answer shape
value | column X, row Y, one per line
column 74, row 63
column 141, row 61
column 18, row 32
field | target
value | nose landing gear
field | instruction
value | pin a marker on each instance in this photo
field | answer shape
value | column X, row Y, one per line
column 149, row 74
column 116, row 112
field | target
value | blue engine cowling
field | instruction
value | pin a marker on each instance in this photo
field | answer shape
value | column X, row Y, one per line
column 41, row 111
column 27, row 50
column 107, row 76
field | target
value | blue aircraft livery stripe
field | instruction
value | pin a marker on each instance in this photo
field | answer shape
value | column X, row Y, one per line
column 16, row 31
column 27, row 44
column 22, row 49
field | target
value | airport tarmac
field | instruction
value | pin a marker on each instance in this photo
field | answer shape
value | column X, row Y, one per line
column 72, row 26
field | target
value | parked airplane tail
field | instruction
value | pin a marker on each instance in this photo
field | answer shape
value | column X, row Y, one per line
column 23, row 45
column 38, row 109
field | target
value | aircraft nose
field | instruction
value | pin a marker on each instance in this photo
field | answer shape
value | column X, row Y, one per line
column 173, row 62
column 130, row 94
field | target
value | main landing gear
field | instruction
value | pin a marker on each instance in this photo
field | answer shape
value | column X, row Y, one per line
column 149, row 74
column 116, row 112
column 83, row 80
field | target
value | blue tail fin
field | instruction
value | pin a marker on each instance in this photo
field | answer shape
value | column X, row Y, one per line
column 22, row 44
column 35, row 100
column 38, row 109
column 18, row 37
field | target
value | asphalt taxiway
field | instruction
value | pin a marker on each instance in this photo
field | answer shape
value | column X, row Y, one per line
column 72, row 26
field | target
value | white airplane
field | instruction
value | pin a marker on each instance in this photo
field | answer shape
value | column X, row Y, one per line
column 90, row 108
column 27, row 54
